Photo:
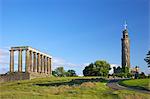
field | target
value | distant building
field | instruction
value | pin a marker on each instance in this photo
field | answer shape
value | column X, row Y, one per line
column 125, row 48
column 112, row 66
column 135, row 71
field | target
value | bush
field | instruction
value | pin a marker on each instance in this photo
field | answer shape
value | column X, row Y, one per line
column 99, row 68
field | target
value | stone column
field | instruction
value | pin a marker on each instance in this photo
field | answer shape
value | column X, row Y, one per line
column 50, row 62
column 11, row 60
column 42, row 64
column 20, row 61
column 48, row 65
column 27, row 65
column 31, row 62
column 38, row 63
column 45, row 64
column 34, row 62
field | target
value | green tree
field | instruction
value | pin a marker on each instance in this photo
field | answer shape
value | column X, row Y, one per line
column 122, row 72
column 129, row 75
column 126, row 70
column 99, row 68
column 71, row 73
column 88, row 71
column 60, row 71
column 103, row 67
column 147, row 59
column 142, row 75
column 118, row 70
column 54, row 73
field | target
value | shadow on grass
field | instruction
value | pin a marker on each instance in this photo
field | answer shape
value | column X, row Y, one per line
column 74, row 82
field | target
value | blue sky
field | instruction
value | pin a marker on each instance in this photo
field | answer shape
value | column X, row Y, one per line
column 75, row 32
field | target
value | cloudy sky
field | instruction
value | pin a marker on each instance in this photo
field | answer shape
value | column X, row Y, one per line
column 74, row 32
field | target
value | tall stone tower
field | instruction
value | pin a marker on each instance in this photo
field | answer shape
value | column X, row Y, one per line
column 125, row 48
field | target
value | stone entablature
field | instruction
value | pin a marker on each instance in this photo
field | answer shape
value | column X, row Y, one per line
column 35, row 61
column 29, row 48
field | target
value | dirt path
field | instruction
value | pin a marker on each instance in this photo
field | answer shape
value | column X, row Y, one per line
column 115, row 86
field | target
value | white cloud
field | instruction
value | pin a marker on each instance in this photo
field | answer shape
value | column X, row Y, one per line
column 111, row 66
column 3, row 52
column 86, row 64
column 57, row 62
column 4, row 60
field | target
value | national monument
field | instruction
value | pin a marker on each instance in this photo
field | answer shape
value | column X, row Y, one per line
column 125, row 41
column 37, row 64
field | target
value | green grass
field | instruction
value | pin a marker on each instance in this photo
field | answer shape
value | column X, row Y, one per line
column 137, row 83
column 64, row 88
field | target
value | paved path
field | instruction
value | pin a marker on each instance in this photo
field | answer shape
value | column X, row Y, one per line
column 115, row 86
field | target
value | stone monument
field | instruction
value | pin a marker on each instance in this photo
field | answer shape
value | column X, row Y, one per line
column 125, row 48
column 37, row 64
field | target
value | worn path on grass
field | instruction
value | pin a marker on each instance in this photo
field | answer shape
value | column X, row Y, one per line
column 113, row 83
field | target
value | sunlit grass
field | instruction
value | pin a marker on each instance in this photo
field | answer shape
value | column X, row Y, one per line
column 137, row 83
column 28, row 89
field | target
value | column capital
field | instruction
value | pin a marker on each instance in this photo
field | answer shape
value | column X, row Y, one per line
column 11, row 50
column 34, row 52
column 38, row 54
column 27, row 50
column 20, row 49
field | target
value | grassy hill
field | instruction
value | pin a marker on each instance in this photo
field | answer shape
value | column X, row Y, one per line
column 65, row 88
column 137, row 83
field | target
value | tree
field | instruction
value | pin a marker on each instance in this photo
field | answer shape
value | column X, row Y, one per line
column 54, row 73
column 99, row 68
column 142, row 75
column 118, row 70
column 126, row 71
column 71, row 73
column 147, row 59
column 129, row 75
column 103, row 67
column 88, row 71
column 114, row 69
column 121, row 72
column 60, row 71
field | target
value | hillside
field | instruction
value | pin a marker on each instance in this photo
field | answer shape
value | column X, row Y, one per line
column 137, row 83
column 64, row 88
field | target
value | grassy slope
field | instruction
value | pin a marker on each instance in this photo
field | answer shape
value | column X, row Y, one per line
column 29, row 90
column 137, row 83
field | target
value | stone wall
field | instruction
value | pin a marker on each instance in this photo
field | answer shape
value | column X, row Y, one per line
column 14, row 76
column 21, row 76
column 38, row 75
